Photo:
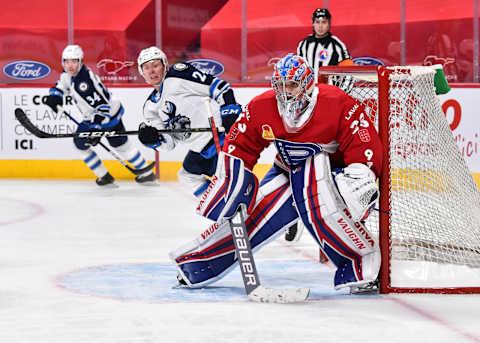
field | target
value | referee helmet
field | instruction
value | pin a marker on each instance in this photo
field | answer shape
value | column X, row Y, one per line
column 321, row 13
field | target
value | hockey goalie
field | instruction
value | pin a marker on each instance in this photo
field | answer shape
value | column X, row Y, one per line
column 329, row 156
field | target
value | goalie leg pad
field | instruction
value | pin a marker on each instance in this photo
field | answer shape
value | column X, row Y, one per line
column 347, row 244
column 231, row 186
column 211, row 256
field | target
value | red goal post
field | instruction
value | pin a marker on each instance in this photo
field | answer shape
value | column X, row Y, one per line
column 428, row 225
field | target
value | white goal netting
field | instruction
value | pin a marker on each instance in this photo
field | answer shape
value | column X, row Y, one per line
column 433, row 202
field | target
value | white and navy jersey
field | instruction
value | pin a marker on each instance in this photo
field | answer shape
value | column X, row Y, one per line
column 184, row 92
column 89, row 94
column 320, row 52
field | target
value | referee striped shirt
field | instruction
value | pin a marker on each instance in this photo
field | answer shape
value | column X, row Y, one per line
column 325, row 51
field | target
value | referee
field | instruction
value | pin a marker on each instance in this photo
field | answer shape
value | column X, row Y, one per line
column 321, row 48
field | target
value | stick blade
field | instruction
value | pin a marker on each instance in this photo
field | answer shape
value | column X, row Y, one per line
column 20, row 115
column 143, row 170
column 23, row 119
column 279, row 296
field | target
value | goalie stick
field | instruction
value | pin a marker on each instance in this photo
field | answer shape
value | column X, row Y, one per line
column 23, row 119
column 255, row 291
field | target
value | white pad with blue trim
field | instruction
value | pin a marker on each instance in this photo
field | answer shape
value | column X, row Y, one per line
column 347, row 243
column 231, row 186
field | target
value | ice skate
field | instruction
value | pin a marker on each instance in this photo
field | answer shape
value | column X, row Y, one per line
column 146, row 179
column 105, row 180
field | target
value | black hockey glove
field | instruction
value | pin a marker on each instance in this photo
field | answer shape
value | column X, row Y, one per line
column 148, row 135
column 99, row 121
column 92, row 141
column 229, row 114
column 54, row 100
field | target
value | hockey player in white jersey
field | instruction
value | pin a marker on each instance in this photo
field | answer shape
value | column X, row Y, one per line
column 179, row 101
column 101, row 112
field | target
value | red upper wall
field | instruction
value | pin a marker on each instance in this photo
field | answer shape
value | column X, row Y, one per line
column 437, row 31
column 111, row 32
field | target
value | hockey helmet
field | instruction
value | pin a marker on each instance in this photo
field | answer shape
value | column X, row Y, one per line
column 72, row 52
column 150, row 54
column 321, row 13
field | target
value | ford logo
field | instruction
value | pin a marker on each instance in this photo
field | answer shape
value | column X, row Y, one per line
column 211, row 67
column 26, row 70
column 367, row 61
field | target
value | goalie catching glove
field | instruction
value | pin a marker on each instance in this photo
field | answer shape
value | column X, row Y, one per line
column 357, row 186
column 231, row 186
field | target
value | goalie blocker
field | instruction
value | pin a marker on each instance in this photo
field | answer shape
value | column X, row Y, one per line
column 280, row 199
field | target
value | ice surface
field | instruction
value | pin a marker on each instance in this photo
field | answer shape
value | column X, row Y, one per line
column 84, row 264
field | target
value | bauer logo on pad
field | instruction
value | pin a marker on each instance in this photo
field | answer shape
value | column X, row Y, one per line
column 26, row 70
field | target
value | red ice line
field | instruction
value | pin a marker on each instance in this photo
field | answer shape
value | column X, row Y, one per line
column 401, row 302
column 38, row 210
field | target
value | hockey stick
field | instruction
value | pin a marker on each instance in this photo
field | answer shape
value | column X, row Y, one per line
column 255, row 291
column 119, row 158
column 23, row 119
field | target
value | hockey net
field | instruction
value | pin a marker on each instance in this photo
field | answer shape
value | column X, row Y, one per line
column 428, row 222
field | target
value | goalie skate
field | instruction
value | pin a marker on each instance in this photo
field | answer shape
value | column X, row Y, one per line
column 181, row 283
column 294, row 232
column 372, row 287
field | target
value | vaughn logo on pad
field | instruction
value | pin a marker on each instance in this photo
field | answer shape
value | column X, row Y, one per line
column 26, row 70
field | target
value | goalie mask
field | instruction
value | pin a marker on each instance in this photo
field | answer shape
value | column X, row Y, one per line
column 150, row 54
column 293, row 84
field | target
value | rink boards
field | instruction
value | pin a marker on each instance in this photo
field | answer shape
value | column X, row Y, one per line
column 25, row 156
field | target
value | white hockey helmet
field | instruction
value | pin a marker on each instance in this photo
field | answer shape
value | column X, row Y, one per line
column 72, row 52
column 150, row 54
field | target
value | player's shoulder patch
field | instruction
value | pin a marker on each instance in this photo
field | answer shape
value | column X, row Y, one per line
column 83, row 82
column 179, row 70
column 186, row 71
column 180, row 66
column 83, row 86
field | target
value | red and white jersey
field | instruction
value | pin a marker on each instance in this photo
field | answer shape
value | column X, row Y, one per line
column 338, row 125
